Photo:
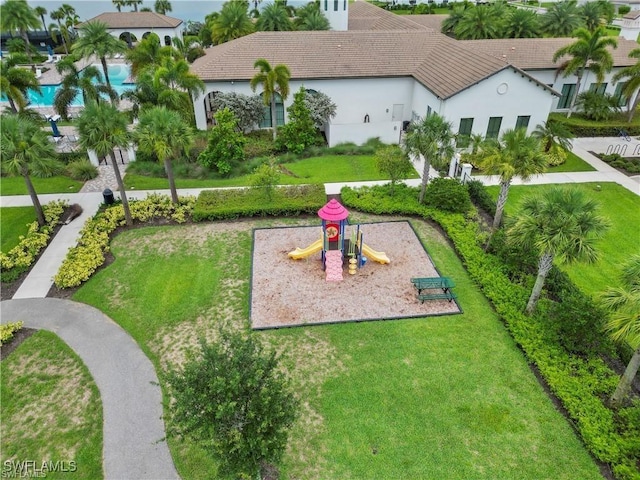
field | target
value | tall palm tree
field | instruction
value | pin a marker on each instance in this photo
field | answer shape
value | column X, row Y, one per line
column 450, row 23
column 162, row 7
column 148, row 52
column 119, row 4
column 309, row 18
column 58, row 15
column 274, row 18
column 479, row 22
column 163, row 133
column 95, row 39
column 516, row 155
column 41, row 12
column 74, row 82
column 133, row 3
column 562, row 19
column 102, row 128
column 174, row 77
column 17, row 15
column 521, row 23
column 623, row 305
column 560, row 224
column 26, row 150
column 591, row 13
column 274, row 80
column 14, row 84
column 589, row 52
column 232, row 22
column 631, row 75
column 432, row 138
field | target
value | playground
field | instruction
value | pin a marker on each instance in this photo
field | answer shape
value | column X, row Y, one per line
column 286, row 292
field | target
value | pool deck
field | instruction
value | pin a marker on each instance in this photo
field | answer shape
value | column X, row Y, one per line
column 52, row 77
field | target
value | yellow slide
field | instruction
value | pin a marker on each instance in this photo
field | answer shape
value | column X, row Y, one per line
column 379, row 257
column 299, row 253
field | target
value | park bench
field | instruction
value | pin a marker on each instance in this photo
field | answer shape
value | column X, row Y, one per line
column 437, row 296
column 429, row 283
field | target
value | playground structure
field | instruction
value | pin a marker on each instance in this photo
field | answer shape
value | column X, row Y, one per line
column 335, row 245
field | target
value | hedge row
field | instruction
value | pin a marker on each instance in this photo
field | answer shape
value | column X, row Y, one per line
column 22, row 256
column 586, row 128
column 85, row 258
column 252, row 202
column 580, row 383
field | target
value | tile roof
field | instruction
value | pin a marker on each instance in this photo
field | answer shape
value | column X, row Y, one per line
column 632, row 15
column 433, row 21
column 537, row 53
column 135, row 20
column 365, row 16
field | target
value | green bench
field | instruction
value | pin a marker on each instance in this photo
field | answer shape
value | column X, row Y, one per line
column 437, row 296
column 431, row 283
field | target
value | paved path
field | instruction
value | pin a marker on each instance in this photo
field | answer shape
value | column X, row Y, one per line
column 131, row 397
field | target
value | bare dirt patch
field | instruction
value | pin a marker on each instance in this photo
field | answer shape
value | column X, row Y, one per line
column 286, row 292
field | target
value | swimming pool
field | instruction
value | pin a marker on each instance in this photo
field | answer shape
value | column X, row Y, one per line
column 118, row 75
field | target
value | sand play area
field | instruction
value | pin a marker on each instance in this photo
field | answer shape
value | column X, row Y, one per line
column 286, row 292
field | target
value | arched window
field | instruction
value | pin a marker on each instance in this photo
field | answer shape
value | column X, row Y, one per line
column 266, row 119
column 208, row 109
column 129, row 38
column 310, row 91
column 146, row 34
column 167, row 40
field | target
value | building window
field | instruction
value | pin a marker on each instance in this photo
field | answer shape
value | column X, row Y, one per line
column 618, row 95
column 335, row 5
column 266, row 119
column 464, row 132
column 326, row 5
column 523, row 121
column 598, row 88
column 344, row 5
column 568, row 90
column 414, row 116
column 493, row 130
column 429, row 111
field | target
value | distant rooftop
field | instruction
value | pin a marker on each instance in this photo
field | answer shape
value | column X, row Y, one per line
column 135, row 20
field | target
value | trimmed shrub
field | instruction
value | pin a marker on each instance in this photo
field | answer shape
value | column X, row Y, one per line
column 480, row 197
column 249, row 202
column 448, row 194
column 82, row 170
column 7, row 331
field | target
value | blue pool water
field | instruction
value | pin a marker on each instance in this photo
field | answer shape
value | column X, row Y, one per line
column 118, row 74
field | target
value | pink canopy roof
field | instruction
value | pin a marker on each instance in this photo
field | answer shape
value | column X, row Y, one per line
column 333, row 210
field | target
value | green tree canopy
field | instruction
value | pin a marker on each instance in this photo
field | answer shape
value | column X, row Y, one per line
column 15, row 83
column 562, row 19
column 392, row 161
column 95, row 39
column 631, row 77
column 232, row 22
column 273, row 80
column 225, row 147
column 274, row 18
column 18, row 16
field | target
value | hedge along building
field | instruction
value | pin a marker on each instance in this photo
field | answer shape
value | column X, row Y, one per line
column 131, row 27
column 383, row 71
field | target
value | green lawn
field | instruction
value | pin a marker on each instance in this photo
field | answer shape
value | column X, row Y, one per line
column 13, row 223
column 51, row 409
column 57, row 184
column 440, row 397
column 330, row 168
column 573, row 164
column 622, row 208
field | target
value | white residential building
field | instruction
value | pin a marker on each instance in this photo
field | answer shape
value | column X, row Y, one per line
column 132, row 27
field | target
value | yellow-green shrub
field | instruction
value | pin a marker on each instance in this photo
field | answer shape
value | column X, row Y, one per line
column 7, row 331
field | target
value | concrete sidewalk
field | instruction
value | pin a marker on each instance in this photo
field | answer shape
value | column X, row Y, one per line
column 134, row 445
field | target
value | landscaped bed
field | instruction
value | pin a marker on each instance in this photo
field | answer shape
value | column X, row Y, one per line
column 287, row 292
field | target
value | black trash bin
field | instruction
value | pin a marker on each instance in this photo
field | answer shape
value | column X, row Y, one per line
column 405, row 125
column 107, row 195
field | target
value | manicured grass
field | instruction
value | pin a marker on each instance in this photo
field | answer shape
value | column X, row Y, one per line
column 440, row 397
column 330, row 168
column 51, row 409
column 14, row 221
column 57, row 184
column 573, row 164
column 622, row 208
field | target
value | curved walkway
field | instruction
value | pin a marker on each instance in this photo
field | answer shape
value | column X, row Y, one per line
column 134, row 445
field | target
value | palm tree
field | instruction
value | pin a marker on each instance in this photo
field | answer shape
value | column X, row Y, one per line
column 309, row 18
column 560, row 223
column 432, row 138
column 119, row 4
column 632, row 85
column 591, row 13
column 26, row 151
column 41, row 12
column 232, row 22
column 478, row 23
column 607, row 10
column 521, row 23
column 74, row 82
column 163, row 133
column 102, row 128
column 162, row 7
column 450, row 23
column 553, row 134
column 14, row 84
column 176, row 80
column 58, row 15
column 95, row 39
column 17, row 15
column 274, row 80
column 562, row 19
column 590, row 52
column 148, row 52
column 133, row 3
column 623, row 304
column 516, row 155
column 274, row 18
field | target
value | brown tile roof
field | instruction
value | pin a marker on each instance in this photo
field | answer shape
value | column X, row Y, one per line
column 365, row 16
column 536, row 53
column 436, row 61
column 135, row 20
column 433, row 22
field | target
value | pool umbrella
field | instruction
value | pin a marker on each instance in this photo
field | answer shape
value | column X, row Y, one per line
column 54, row 128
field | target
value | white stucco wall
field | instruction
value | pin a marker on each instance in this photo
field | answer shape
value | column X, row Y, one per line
column 507, row 94
column 338, row 18
column 139, row 32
